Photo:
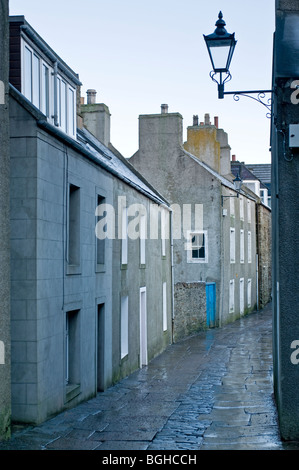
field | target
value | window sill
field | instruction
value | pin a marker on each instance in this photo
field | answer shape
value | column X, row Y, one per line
column 100, row 268
column 73, row 269
column 72, row 391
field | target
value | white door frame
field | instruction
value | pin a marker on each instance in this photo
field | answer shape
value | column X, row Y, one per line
column 143, row 327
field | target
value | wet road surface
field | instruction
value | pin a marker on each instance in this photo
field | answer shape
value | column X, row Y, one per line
column 212, row 391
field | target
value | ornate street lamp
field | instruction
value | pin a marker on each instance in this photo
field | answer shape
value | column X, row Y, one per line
column 237, row 185
column 221, row 46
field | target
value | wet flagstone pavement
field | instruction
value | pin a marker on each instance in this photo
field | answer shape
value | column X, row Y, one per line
column 212, row 391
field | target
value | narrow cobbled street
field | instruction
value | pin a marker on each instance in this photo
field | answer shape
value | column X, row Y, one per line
column 212, row 391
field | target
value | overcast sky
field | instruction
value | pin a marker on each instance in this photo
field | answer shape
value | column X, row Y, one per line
column 139, row 54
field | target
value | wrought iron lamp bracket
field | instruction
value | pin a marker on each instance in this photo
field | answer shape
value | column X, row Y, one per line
column 260, row 97
column 222, row 197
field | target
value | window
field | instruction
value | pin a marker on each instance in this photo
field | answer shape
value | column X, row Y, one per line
column 45, row 91
column 231, row 296
column 241, row 246
column 241, row 296
column 248, row 211
column 71, row 112
column 197, row 247
column 241, row 208
column 249, row 247
column 100, row 242
column 36, row 81
column 124, row 327
column 232, row 241
column 124, row 236
column 74, row 226
column 163, row 231
column 63, row 106
column 72, row 348
column 40, row 90
column 28, row 73
column 164, row 300
column 249, row 293
column 232, row 205
column 142, row 238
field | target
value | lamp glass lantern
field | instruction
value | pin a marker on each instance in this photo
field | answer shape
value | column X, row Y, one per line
column 237, row 183
column 221, row 46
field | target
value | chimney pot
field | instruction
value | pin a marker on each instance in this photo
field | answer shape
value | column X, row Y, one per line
column 195, row 120
column 233, row 158
column 216, row 121
column 164, row 108
column 91, row 96
column 207, row 120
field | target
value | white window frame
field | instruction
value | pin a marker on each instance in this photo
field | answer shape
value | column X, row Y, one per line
column 249, row 292
column 242, row 247
column 232, row 245
column 190, row 235
column 124, row 326
column 124, row 236
column 242, row 295
column 47, row 105
column 241, row 208
column 142, row 238
column 164, row 301
column 231, row 296
column 248, row 211
column 249, row 247
column 232, row 205
column 163, row 231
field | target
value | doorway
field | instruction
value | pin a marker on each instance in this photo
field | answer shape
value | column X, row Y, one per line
column 211, row 303
column 100, row 347
column 143, row 327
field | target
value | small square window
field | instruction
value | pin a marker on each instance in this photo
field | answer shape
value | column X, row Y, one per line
column 197, row 247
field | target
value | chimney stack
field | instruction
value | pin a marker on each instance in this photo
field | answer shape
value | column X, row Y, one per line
column 91, row 96
column 164, row 108
column 96, row 118
column 207, row 120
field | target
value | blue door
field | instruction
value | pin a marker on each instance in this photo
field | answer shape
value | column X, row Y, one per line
column 211, row 303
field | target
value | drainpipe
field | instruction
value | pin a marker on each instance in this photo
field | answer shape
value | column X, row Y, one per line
column 55, row 116
column 172, row 274
column 257, row 282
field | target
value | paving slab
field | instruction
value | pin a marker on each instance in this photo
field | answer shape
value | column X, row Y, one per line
column 212, row 391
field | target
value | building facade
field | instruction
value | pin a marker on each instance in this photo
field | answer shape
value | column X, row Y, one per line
column 90, row 292
column 5, row 362
column 215, row 249
column 285, row 173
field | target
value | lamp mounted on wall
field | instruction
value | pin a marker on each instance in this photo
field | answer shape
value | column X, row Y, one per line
column 237, row 185
column 221, row 46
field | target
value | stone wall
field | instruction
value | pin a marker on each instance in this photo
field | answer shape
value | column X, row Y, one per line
column 189, row 309
column 264, row 254
column 5, row 393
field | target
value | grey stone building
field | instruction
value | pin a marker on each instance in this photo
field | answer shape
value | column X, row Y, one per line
column 215, row 252
column 5, row 366
column 285, row 171
column 91, row 294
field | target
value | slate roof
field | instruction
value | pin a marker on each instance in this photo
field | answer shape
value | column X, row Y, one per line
column 261, row 170
column 239, row 168
column 90, row 147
